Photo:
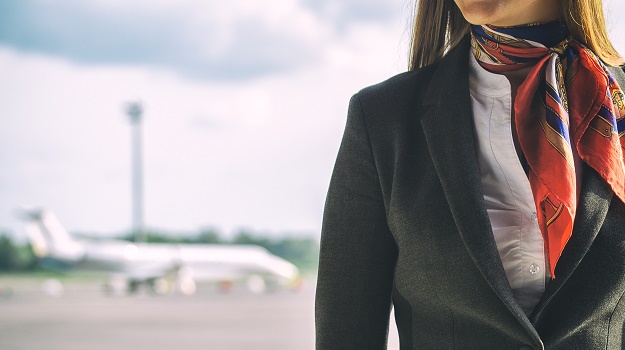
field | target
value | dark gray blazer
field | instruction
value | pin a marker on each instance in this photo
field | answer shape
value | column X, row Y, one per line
column 405, row 223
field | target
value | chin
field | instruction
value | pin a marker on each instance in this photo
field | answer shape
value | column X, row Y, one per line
column 480, row 11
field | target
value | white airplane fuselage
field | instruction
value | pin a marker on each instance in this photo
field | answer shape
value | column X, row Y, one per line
column 146, row 262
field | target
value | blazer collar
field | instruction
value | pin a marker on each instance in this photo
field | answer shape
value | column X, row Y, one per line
column 448, row 128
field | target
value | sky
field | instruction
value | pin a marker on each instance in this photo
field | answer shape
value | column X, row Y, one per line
column 245, row 104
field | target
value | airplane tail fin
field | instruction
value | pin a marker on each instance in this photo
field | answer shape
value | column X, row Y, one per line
column 49, row 238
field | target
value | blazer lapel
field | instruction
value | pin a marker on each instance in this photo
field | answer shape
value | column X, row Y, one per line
column 592, row 209
column 448, row 128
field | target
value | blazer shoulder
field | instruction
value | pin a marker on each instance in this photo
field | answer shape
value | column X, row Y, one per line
column 413, row 86
column 619, row 73
column 398, row 91
column 391, row 107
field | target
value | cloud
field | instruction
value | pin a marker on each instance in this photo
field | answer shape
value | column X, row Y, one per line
column 614, row 10
column 252, row 153
column 212, row 40
column 348, row 11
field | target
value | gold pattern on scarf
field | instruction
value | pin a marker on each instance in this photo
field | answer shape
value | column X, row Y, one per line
column 561, row 47
column 562, row 86
column 602, row 126
column 618, row 98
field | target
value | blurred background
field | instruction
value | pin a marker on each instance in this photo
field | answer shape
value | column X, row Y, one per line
column 244, row 105
column 239, row 108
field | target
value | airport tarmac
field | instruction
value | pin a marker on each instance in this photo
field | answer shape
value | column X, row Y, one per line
column 83, row 318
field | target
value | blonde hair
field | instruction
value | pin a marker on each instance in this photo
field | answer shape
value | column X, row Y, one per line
column 439, row 26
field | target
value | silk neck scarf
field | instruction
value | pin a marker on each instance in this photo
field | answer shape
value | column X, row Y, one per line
column 569, row 101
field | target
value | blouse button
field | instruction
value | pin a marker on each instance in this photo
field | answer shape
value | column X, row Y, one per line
column 534, row 269
column 534, row 217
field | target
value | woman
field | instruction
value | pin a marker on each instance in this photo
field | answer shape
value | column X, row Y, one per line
column 481, row 193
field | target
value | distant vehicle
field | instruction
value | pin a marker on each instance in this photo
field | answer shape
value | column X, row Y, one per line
column 160, row 267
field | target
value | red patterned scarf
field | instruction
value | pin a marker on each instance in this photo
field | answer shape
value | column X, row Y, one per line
column 569, row 100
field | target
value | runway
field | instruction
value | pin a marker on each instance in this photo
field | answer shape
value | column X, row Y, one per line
column 83, row 318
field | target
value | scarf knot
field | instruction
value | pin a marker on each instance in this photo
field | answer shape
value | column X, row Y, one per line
column 561, row 48
column 568, row 104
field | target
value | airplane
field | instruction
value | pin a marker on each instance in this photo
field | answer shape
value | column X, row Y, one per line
column 160, row 267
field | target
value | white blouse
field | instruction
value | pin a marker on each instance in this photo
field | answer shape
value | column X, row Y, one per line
column 507, row 193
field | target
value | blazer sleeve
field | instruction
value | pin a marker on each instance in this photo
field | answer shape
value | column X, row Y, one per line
column 358, row 253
